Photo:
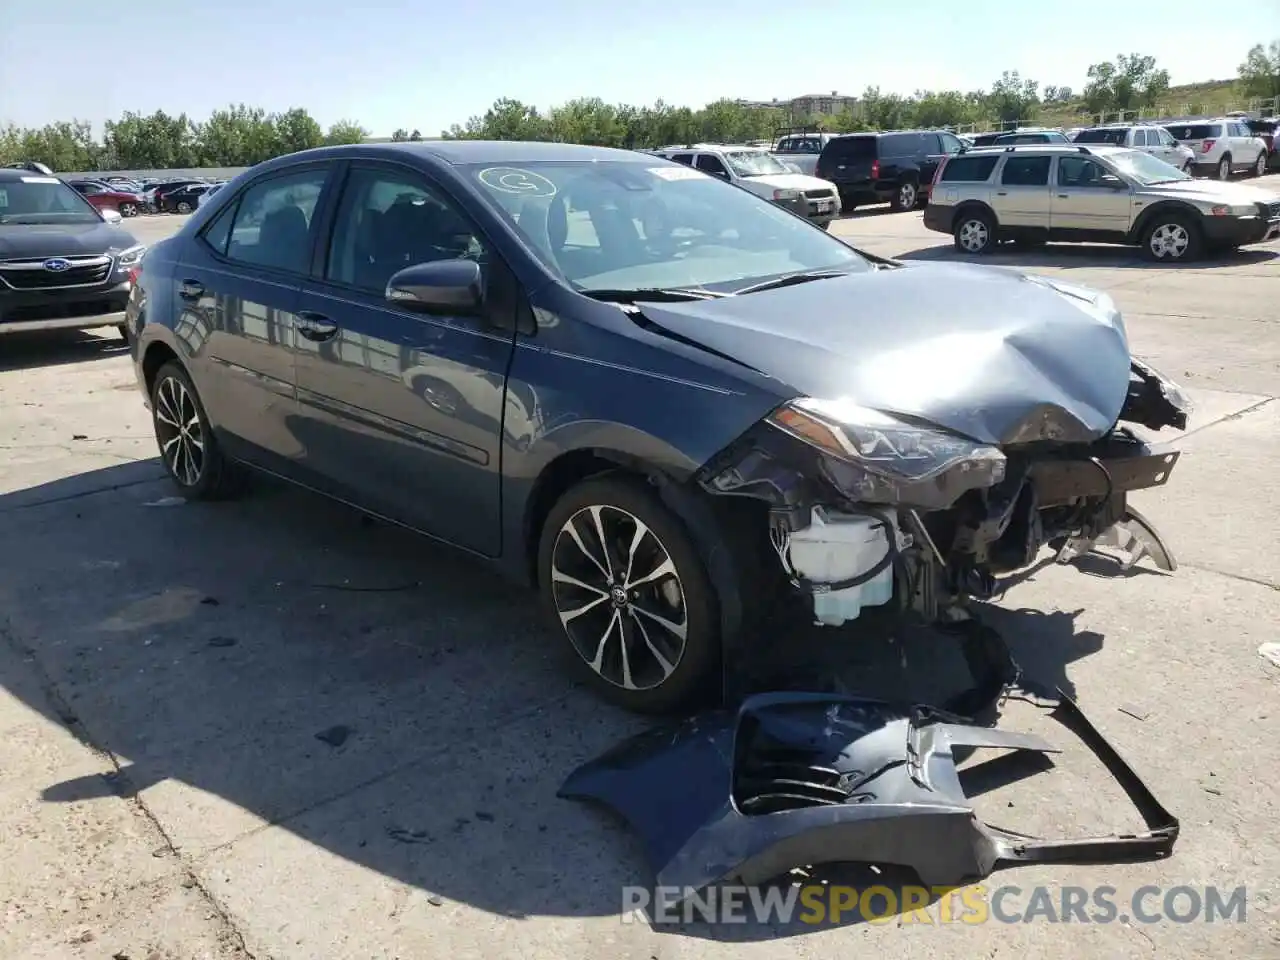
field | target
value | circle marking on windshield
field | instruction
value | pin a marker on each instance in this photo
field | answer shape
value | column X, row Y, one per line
column 513, row 180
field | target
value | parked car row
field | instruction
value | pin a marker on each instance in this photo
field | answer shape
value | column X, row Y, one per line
column 132, row 197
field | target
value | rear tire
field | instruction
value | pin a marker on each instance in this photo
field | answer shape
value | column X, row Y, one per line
column 188, row 448
column 1260, row 165
column 1224, row 167
column 647, row 643
column 975, row 232
column 184, row 207
column 905, row 197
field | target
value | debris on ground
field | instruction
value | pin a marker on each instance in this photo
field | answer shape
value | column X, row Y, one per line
column 223, row 641
column 1271, row 653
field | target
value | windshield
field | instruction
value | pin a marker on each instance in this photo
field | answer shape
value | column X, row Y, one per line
column 1145, row 168
column 653, row 224
column 754, row 163
column 37, row 199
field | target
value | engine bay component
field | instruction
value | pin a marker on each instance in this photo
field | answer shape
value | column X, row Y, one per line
column 795, row 779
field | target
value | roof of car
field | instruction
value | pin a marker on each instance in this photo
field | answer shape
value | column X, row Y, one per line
column 477, row 151
column 9, row 174
column 1097, row 149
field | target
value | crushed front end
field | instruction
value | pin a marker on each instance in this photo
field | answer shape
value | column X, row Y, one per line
column 866, row 509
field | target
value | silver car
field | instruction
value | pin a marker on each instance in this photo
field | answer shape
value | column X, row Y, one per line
column 1088, row 194
column 1148, row 138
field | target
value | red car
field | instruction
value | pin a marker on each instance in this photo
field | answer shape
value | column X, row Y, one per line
column 104, row 196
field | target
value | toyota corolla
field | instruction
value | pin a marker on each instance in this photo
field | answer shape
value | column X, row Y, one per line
column 658, row 398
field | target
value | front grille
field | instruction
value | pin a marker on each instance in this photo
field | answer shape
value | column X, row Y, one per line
column 58, row 310
column 33, row 275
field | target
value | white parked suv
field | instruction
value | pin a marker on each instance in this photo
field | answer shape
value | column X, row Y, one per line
column 1222, row 147
column 1148, row 138
column 763, row 174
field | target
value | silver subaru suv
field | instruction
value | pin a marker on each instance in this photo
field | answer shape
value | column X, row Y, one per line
column 1093, row 194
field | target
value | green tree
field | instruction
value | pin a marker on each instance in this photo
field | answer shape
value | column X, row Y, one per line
column 415, row 135
column 297, row 130
column 346, row 131
column 400, row 135
column 1013, row 99
column 1128, row 83
column 1260, row 72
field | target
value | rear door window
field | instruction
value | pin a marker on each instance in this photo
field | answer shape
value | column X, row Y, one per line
column 1026, row 171
column 685, row 158
column 968, row 169
column 710, row 163
column 900, row 144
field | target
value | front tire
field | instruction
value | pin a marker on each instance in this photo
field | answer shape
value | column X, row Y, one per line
column 905, row 197
column 188, row 449
column 623, row 585
column 975, row 232
column 184, row 207
column 128, row 210
column 1172, row 238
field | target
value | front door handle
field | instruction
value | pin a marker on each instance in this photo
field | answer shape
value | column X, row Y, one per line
column 191, row 290
column 1002, row 193
column 316, row 326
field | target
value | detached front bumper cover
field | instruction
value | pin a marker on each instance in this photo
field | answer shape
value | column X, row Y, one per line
column 798, row 779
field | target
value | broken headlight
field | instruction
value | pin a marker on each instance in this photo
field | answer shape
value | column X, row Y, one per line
column 875, row 458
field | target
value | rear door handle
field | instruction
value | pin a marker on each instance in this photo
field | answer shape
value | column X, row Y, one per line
column 316, row 326
column 191, row 290
column 1002, row 193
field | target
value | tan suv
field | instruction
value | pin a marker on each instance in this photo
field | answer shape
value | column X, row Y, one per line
column 1043, row 193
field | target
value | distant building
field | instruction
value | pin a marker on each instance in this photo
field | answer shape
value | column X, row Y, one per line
column 811, row 104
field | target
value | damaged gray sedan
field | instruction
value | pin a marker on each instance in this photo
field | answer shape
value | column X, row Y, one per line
column 669, row 403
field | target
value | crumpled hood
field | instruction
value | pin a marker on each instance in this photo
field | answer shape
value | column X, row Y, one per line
column 997, row 356
column 21, row 241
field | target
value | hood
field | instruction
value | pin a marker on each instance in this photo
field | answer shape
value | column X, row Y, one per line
column 791, row 181
column 997, row 356
column 1214, row 191
column 21, row 241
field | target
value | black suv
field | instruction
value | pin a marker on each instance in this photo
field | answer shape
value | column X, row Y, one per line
column 879, row 167
column 63, row 264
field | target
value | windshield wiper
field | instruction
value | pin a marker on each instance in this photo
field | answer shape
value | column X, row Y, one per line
column 658, row 294
column 791, row 279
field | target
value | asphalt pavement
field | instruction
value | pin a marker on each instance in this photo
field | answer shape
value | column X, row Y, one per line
column 269, row 728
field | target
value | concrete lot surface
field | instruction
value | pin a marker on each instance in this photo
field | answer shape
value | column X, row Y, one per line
column 269, row 729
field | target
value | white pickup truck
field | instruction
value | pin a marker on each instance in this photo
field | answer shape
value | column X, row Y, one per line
column 801, row 149
column 755, row 169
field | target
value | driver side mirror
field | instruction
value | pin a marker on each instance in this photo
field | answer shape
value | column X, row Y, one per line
column 110, row 215
column 452, row 287
column 1114, row 183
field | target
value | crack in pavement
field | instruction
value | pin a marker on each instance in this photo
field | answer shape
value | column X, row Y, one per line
column 62, row 709
column 83, row 493
column 1243, row 577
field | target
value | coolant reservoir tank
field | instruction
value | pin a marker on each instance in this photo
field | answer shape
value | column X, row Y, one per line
column 841, row 546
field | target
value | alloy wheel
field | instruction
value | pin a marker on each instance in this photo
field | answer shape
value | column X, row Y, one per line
column 1260, row 168
column 907, row 195
column 128, row 210
column 1169, row 241
column 974, row 236
column 619, row 597
column 179, row 432
column 1224, row 169
column 184, row 207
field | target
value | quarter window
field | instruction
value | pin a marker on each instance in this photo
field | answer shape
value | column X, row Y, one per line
column 272, row 222
column 968, row 169
column 388, row 220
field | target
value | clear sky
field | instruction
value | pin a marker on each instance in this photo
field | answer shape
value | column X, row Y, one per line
column 427, row 64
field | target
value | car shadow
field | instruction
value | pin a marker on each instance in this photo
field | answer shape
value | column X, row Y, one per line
column 282, row 661
column 53, row 348
column 1081, row 256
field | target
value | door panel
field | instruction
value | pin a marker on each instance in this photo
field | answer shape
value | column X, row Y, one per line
column 1022, row 197
column 399, row 412
column 238, row 287
column 1081, row 201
